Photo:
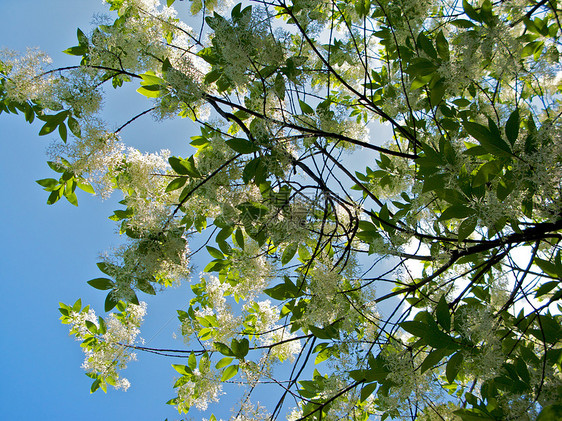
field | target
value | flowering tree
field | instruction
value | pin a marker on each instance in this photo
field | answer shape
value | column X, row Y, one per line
column 423, row 286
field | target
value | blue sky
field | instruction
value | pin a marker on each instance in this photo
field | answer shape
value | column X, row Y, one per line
column 49, row 252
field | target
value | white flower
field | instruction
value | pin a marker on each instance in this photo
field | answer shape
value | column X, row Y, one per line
column 110, row 351
column 24, row 75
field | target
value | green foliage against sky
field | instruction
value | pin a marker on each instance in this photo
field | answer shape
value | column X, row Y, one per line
column 425, row 285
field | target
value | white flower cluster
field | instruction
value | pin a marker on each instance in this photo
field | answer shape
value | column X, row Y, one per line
column 245, row 45
column 202, row 389
column 253, row 272
column 340, row 408
column 326, row 303
column 336, row 121
column 78, row 322
column 24, row 75
column 94, row 156
column 157, row 257
column 27, row 79
column 251, row 412
column 408, row 384
column 271, row 333
column 110, row 352
column 80, row 90
column 142, row 179
column 227, row 323
column 479, row 327
column 134, row 44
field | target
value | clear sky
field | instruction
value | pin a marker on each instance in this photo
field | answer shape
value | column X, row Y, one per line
column 48, row 253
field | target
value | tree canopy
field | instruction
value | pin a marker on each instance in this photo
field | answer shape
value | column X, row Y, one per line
column 423, row 285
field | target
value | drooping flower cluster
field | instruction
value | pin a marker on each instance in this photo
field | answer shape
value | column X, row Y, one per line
column 106, row 343
column 202, row 388
column 24, row 76
column 269, row 333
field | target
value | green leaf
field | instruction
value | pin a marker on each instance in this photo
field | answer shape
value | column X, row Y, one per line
column 208, row 55
column 95, row 385
column 442, row 313
column 78, row 50
column 91, row 327
column 55, row 196
column 549, row 329
column 86, row 187
column 71, row 197
column 223, row 362
column 215, row 253
column 48, row 183
column 229, row 372
column 240, row 347
column 151, row 91
column 546, row 288
column 367, row 391
column 486, row 173
column 425, row 44
column 318, row 332
column 279, row 86
column 62, row 132
column 289, row 252
column 420, row 81
column 472, row 415
column 305, row 108
column 552, row 269
column 176, row 183
column 102, row 283
column 145, row 286
column 223, row 349
column 278, row 292
column 362, row 7
column 182, row 369
column 512, row 127
column 184, row 166
column 252, row 210
column 466, row 228
column 108, row 268
column 470, row 11
column 239, row 237
column 110, row 301
column 213, row 75
column 437, row 339
column 378, row 370
column 418, row 329
column 462, row 23
column 437, row 92
column 132, row 297
column 551, row 413
column 453, row 366
column 82, row 38
column 421, row 67
column 47, row 128
column 323, row 353
column 192, row 361
column 433, row 358
column 493, row 144
column 55, row 166
column 442, row 46
column 456, row 212
column 77, row 306
column 208, row 321
column 242, row 146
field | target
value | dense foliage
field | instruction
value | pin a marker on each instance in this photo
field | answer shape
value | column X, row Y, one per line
column 425, row 285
